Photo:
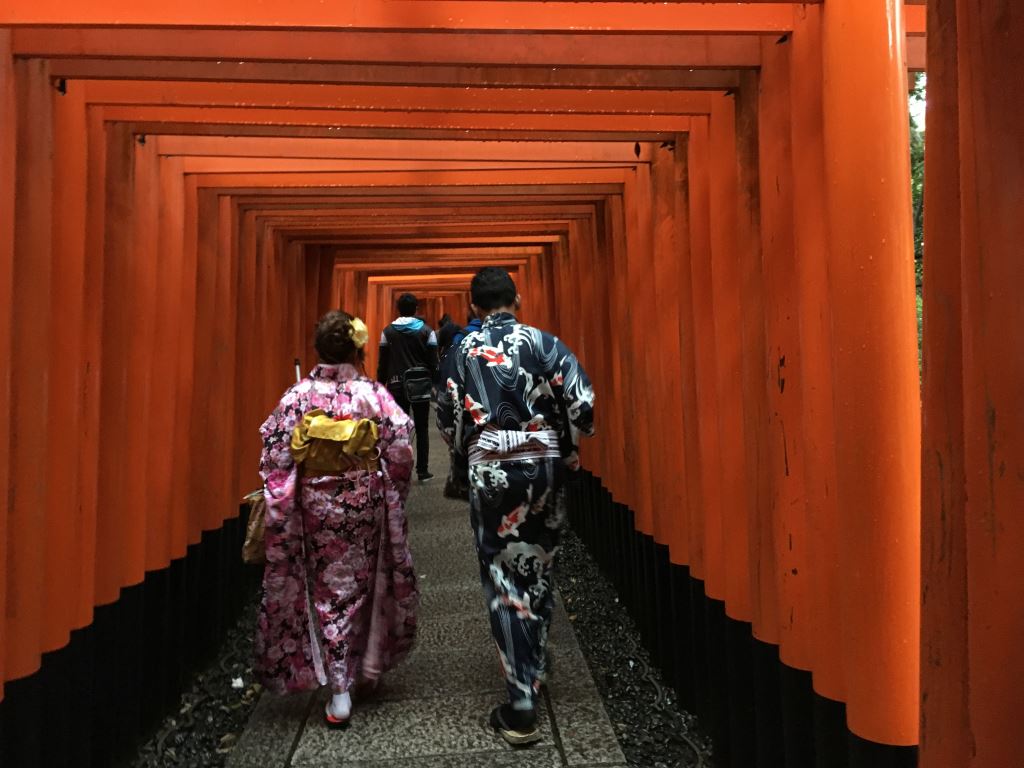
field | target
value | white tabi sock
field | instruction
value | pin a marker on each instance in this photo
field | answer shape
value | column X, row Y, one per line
column 340, row 705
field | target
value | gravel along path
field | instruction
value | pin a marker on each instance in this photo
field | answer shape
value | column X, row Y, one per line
column 213, row 711
column 652, row 731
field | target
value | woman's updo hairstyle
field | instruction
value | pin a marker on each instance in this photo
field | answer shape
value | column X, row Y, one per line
column 334, row 339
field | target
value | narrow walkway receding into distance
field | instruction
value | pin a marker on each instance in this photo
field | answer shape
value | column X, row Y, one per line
column 431, row 712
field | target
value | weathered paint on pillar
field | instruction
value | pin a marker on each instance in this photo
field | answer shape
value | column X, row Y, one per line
column 8, row 129
column 877, row 396
column 946, row 740
column 990, row 53
column 754, row 366
column 784, row 428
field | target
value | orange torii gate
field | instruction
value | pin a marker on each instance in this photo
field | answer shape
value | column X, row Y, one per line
column 708, row 200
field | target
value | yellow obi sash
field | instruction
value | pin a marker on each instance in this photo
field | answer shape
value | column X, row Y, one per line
column 325, row 446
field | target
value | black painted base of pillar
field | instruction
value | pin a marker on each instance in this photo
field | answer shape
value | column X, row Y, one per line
column 759, row 712
column 125, row 672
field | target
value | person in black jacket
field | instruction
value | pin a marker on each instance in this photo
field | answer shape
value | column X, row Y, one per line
column 446, row 331
column 407, row 344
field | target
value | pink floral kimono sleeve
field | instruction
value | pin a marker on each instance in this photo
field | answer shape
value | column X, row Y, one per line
column 393, row 629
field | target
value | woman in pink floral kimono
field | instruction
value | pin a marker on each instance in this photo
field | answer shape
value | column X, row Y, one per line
column 339, row 592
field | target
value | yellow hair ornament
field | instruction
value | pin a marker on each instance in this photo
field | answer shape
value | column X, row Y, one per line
column 359, row 334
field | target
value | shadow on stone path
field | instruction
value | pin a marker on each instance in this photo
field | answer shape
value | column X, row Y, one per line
column 431, row 712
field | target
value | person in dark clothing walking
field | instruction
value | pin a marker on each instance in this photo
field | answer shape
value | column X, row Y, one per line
column 408, row 356
column 473, row 325
column 446, row 331
column 456, row 484
column 515, row 404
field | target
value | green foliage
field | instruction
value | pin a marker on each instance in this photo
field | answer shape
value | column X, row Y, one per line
column 918, row 92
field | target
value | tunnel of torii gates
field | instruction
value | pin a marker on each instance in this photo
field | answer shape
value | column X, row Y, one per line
column 708, row 202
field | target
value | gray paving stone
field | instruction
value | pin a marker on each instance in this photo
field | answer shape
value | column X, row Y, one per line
column 408, row 729
column 445, row 672
column 448, row 568
column 270, row 734
column 570, row 676
column 587, row 735
column 535, row 757
column 448, row 599
column 444, row 525
column 455, row 632
column 431, row 712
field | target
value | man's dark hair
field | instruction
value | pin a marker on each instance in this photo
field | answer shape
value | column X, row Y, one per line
column 493, row 287
column 407, row 305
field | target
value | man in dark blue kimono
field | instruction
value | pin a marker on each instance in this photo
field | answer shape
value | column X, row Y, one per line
column 514, row 403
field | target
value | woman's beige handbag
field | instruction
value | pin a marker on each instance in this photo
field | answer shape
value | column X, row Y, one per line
column 254, row 549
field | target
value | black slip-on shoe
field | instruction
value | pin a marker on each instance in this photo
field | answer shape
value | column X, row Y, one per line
column 425, row 477
column 517, row 727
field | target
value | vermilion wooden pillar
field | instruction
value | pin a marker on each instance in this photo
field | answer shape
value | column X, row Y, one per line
column 597, row 329
column 623, row 382
column 945, row 698
column 159, row 245
column 205, row 387
column 30, row 360
column 141, row 353
column 616, row 478
column 8, row 129
column 672, row 248
column 118, row 551
column 311, row 264
column 86, row 394
column 990, row 53
column 874, row 364
column 324, row 294
column 784, row 385
column 638, row 218
column 69, row 584
column 189, row 371
column 687, row 387
column 175, row 226
column 664, row 364
column 811, row 251
column 226, row 342
column 726, row 289
column 706, row 520
column 753, row 374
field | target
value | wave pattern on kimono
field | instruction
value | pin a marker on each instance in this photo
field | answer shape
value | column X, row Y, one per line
column 347, row 555
column 512, row 377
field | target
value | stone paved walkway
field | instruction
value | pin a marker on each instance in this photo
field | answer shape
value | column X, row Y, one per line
column 431, row 712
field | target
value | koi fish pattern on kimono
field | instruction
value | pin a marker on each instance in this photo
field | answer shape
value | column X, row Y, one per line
column 343, row 550
column 510, row 376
